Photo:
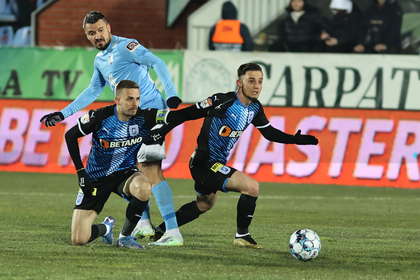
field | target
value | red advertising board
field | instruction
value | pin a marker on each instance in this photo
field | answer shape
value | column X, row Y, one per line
column 356, row 147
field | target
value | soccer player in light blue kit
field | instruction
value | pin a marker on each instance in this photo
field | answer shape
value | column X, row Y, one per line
column 125, row 59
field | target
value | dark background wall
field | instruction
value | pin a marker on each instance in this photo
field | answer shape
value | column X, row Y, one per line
column 145, row 20
column 407, row 5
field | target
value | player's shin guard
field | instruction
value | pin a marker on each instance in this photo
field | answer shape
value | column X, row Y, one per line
column 97, row 230
column 245, row 208
column 187, row 213
column 133, row 214
column 163, row 196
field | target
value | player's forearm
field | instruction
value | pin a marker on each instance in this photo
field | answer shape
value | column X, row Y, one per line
column 71, row 137
column 165, row 78
column 192, row 112
column 84, row 99
column 272, row 134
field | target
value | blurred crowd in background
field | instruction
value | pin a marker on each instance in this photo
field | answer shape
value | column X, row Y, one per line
column 303, row 27
column 380, row 26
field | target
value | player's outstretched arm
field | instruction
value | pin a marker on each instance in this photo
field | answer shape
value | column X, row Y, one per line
column 52, row 118
column 198, row 111
column 85, row 182
column 275, row 135
column 151, row 60
column 172, row 119
column 89, row 95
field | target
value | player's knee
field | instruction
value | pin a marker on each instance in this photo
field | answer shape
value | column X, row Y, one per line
column 205, row 205
column 253, row 188
column 141, row 188
column 78, row 240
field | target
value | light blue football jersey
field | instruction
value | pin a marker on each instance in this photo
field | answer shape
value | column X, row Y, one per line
column 126, row 59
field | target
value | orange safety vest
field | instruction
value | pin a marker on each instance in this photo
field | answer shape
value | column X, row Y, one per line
column 228, row 31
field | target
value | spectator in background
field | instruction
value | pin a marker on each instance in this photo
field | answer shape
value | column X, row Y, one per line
column 345, row 29
column 384, row 20
column 300, row 28
column 229, row 34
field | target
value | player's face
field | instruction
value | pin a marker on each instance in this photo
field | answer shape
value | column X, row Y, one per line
column 297, row 5
column 99, row 34
column 251, row 84
column 128, row 102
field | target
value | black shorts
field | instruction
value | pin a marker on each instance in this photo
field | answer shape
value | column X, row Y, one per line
column 113, row 183
column 209, row 176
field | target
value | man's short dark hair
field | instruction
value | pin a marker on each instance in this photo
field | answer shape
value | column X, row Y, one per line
column 93, row 17
column 248, row 67
column 125, row 84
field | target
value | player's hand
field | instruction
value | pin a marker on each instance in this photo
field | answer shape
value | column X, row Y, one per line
column 85, row 183
column 52, row 118
column 220, row 110
column 302, row 139
column 173, row 102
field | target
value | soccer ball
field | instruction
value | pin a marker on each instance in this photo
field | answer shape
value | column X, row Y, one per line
column 304, row 244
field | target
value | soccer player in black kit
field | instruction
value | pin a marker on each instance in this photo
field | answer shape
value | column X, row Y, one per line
column 117, row 134
column 217, row 137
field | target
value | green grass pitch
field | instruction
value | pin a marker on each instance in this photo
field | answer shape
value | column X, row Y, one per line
column 366, row 233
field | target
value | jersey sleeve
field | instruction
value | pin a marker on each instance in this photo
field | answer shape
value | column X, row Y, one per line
column 260, row 120
column 198, row 110
column 151, row 116
column 133, row 51
column 268, row 131
column 90, row 94
column 87, row 123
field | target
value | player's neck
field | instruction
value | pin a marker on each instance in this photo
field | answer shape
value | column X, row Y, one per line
column 244, row 100
column 122, row 117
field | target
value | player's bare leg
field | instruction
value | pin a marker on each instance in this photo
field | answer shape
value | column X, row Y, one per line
column 81, row 226
column 84, row 231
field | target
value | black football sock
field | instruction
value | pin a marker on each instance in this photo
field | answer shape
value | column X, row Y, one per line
column 187, row 213
column 245, row 212
column 97, row 230
column 133, row 214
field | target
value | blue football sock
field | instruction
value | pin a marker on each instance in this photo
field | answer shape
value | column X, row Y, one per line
column 163, row 196
column 146, row 212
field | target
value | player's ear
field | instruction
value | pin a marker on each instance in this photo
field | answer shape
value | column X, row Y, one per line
column 239, row 82
column 117, row 100
column 109, row 27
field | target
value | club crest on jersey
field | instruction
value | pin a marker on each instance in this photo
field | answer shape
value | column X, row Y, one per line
column 251, row 116
column 132, row 46
column 85, row 118
column 206, row 103
column 111, row 59
column 226, row 131
column 134, row 130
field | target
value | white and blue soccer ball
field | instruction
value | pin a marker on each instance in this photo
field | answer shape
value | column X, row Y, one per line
column 304, row 244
